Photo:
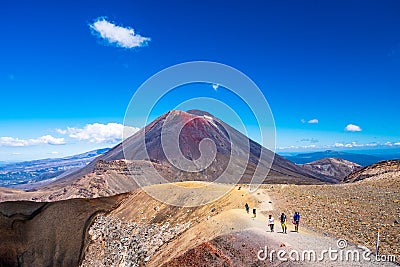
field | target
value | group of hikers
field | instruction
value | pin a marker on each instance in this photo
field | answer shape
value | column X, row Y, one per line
column 248, row 210
column 282, row 219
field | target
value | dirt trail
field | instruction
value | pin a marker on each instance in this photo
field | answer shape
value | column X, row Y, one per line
column 305, row 239
column 220, row 233
column 235, row 221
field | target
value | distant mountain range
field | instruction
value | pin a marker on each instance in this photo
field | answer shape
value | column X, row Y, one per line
column 386, row 169
column 2, row 163
column 111, row 165
column 27, row 172
column 361, row 159
column 334, row 167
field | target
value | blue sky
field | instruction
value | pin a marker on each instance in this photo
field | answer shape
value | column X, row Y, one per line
column 65, row 89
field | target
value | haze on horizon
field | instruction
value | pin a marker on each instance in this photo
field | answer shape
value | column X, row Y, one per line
column 329, row 70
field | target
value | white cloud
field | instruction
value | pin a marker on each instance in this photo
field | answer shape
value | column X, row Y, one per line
column 120, row 36
column 215, row 86
column 48, row 139
column 397, row 144
column 313, row 121
column 60, row 131
column 371, row 144
column 16, row 142
column 11, row 141
column 338, row 145
column 352, row 128
column 355, row 144
column 99, row 133
column 287, row 147
column 309, row 146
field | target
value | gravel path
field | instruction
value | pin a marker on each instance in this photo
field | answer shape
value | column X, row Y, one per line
column 307, row 240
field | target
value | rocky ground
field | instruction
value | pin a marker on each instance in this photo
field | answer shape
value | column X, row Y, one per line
column 155, row 233
column 374, row 170
column 234, row 249
column 334, row 167
column 134, row 229
column 115, row 242
column 354, row 211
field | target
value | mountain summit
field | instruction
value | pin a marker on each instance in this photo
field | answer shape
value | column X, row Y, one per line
column 177, row 146
column 189, row 135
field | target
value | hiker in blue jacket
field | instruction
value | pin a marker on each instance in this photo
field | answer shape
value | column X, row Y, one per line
column 296, row 221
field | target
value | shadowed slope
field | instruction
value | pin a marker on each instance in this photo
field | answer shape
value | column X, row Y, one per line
column 47, row 234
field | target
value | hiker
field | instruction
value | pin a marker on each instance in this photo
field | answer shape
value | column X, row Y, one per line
column 283, row 222
column 247, row 208
column 254, row 213
column 296, row 221
column 271, row 223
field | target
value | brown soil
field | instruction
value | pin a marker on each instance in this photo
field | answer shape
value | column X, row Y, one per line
column 134, row 228
column 354, row 211
column 236, row 249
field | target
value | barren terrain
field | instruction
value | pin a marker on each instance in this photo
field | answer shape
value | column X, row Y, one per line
column 135, row 229
column 354, row 211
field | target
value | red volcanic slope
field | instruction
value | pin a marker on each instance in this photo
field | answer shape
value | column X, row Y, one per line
column 199, row 125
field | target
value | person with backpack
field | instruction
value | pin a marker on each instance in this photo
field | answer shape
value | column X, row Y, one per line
column 283, row 223
column 296, row 221
column 247, row 208
column 254, row 213
column 271, row 223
